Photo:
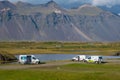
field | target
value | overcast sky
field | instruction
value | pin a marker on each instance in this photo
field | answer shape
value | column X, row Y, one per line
column 94, row 2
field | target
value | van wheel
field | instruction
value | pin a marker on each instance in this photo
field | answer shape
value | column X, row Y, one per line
column 83, row 60
column 96, row 62
column 36, row 63
column 39, row 62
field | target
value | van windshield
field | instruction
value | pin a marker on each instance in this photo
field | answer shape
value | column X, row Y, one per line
column 34, row 58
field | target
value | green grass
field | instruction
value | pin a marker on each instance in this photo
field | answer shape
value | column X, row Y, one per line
column 108, row 71
column 65, row 72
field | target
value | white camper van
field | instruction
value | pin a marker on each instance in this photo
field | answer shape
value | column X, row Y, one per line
column 28, row 59
column 94, row 59
column 79, row 58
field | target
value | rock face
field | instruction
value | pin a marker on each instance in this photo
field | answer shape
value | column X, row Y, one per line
column 50, row 22
column 6, row 4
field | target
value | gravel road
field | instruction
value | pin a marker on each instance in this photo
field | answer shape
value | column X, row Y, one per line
column 48, row 64
column 21, row 66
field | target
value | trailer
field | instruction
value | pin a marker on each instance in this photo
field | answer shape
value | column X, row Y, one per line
column 28, row 59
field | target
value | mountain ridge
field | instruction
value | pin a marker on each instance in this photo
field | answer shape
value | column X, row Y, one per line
column 7, row 4
column 50, row 22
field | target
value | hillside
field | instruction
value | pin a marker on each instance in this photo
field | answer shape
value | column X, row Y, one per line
column 50, row 22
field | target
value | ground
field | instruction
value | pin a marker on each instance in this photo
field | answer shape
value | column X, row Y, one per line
column 16, row 65
column 61, row 70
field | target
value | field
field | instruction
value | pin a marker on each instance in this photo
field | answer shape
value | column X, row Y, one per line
column 73, row 71
column 60, row 70
column 60, row 47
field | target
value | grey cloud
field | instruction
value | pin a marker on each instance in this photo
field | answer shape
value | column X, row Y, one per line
column 105, row 2
column 93, row 2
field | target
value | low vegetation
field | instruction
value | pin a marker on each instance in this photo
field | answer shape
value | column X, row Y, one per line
column 6, row 57
column 60, row 47
column 65, row 72
column 74, row 71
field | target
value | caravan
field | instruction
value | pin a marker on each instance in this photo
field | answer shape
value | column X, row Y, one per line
column 28, row 59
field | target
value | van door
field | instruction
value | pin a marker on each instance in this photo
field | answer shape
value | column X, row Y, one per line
column 28, row 60
column 100, row 59
column 22, row 59
column 90, row 59
column 33, row 60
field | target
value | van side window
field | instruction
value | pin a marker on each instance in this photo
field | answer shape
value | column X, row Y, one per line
column 23, row 58
column 89, row 58
column 100, row 57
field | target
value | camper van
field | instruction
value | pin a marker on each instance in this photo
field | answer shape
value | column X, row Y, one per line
column 94, row 59
column 79, row 58
column 28, row 59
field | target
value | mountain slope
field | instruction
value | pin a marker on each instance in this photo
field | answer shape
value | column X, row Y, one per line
column 6, row 4
column 50, row 22
column 26, row 8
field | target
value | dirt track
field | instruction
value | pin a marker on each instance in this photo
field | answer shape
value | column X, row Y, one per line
column 20, row 66
column 49, row 64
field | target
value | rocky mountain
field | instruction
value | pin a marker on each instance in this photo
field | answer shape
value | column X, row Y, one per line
column 6, row 4
column 50, row 22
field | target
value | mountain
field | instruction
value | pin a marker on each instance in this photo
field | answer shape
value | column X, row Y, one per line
column 27, row 8
column 23, row 4
column 50, row 22
column 7, row 4
column 113, row 8
column 86, row 9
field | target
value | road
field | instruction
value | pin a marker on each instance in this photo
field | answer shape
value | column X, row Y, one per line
column 48, row 64
column 21, row 66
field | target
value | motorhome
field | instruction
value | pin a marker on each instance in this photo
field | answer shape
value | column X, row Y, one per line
column 79, row 58
column 28, row 59
column 94, row 59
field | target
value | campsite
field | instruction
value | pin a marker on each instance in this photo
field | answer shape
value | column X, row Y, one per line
column 61, row 69
column 59, row 39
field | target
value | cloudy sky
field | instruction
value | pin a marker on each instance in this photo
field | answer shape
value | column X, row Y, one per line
column 93, row 2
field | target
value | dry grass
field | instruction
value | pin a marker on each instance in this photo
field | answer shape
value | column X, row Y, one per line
column 60, row 47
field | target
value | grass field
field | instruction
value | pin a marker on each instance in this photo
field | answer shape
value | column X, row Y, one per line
column 60, row 47
column 65, row 72
column 75, row 71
